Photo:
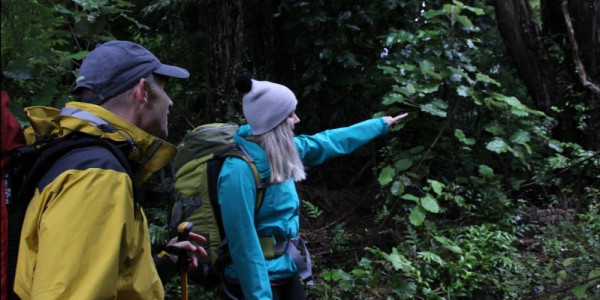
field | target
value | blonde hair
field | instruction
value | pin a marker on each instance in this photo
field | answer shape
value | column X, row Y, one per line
column 284, row 160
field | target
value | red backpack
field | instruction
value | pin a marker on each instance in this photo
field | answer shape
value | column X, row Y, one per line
column 12, row 137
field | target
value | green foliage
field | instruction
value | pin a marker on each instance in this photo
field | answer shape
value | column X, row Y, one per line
column 43, row 43
column 457, row 177
column 340, row 239
column 567, row 158
column 159, row 229
column 332, row 48
column 569, row 258
column 442, row 81
column 434, row 268
column 312, row 211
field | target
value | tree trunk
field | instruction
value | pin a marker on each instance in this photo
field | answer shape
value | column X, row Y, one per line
column 559, row 68
column 221, row 23
column 582, row 20
column 522, row 38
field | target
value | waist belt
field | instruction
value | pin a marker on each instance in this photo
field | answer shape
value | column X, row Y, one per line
column 274, row 248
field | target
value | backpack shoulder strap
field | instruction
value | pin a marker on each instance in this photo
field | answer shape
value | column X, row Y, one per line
column 240, row 152
column 55, row 149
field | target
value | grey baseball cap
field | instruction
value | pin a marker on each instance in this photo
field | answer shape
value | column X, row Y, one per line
column 116, row 66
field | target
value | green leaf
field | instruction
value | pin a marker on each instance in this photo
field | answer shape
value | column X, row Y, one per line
column 462, row 138
column 416, row 149
column 426, row 66
column 431, row 257
column 386, row 176
column 417, row 215
column 560, row 277
column 498, row 146
column 569, row 261
column 486, row 171
column 76, row 56
column 403, row 164
column 393, row 98
column 360, row 272
column 409, row 89
column 494, row 129
column 335, row 275
column 428, row 34
column 464, row 20
column 404, row 289
column 436, row 108
column 556, row 146
column 397, row 188
column 433, row 13
column 410, row 198
column 397, row 37
column 580, row 291
column 387, row 70
column 427, row 88
column 477, row 11
column 451, row 9
column 399, row 262
column 461, row 90
column 436, row 185
column 471, row 44
column 458, row 3
column 558, row 162
column 458, row 72
column 443, row 240
column 519, row 112
column 593, row 273
column 431, row 109
column 520, row 137
column 430, row 204
column 406, row 67
column 487, row 79
column 448, row 244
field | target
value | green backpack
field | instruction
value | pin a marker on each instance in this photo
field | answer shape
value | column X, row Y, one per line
column 198, row 162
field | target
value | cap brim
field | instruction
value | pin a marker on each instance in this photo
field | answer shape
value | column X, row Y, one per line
column 172, row 71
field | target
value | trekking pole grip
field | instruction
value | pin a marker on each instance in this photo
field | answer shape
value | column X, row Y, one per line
column 183, row 232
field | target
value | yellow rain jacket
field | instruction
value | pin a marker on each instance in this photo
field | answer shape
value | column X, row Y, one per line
column 83, row 237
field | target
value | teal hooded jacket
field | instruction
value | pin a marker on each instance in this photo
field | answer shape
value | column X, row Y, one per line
column 279, row 214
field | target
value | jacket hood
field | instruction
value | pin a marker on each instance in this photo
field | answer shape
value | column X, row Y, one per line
column 257, row 153
column 150, row 152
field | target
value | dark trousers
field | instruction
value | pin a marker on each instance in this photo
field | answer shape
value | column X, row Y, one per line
column 288, row 289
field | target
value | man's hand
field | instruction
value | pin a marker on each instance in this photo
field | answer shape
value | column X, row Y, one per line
column 191, row 246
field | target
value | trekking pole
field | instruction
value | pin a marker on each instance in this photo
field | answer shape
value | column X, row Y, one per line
column 183, row 231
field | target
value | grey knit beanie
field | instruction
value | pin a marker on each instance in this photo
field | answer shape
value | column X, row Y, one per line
column 265, row 104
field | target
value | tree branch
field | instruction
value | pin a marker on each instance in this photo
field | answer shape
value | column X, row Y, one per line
column 575, row 48
column 437, row 138
column 565, row 288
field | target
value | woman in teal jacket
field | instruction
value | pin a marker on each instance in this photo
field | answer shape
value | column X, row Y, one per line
column 264, row 247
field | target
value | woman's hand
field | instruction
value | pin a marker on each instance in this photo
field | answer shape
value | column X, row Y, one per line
column 191, row 246
column 391, row 121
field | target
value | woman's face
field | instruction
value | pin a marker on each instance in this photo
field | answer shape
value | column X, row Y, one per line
column 293, row 119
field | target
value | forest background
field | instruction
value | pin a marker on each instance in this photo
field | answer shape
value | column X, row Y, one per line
column 489, row 189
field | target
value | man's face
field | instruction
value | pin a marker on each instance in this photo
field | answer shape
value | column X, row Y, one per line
column 155, row 119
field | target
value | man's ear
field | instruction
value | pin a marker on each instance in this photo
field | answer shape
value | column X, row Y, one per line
column 140, row 94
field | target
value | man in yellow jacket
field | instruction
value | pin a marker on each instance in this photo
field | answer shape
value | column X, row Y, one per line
column 84, row 236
